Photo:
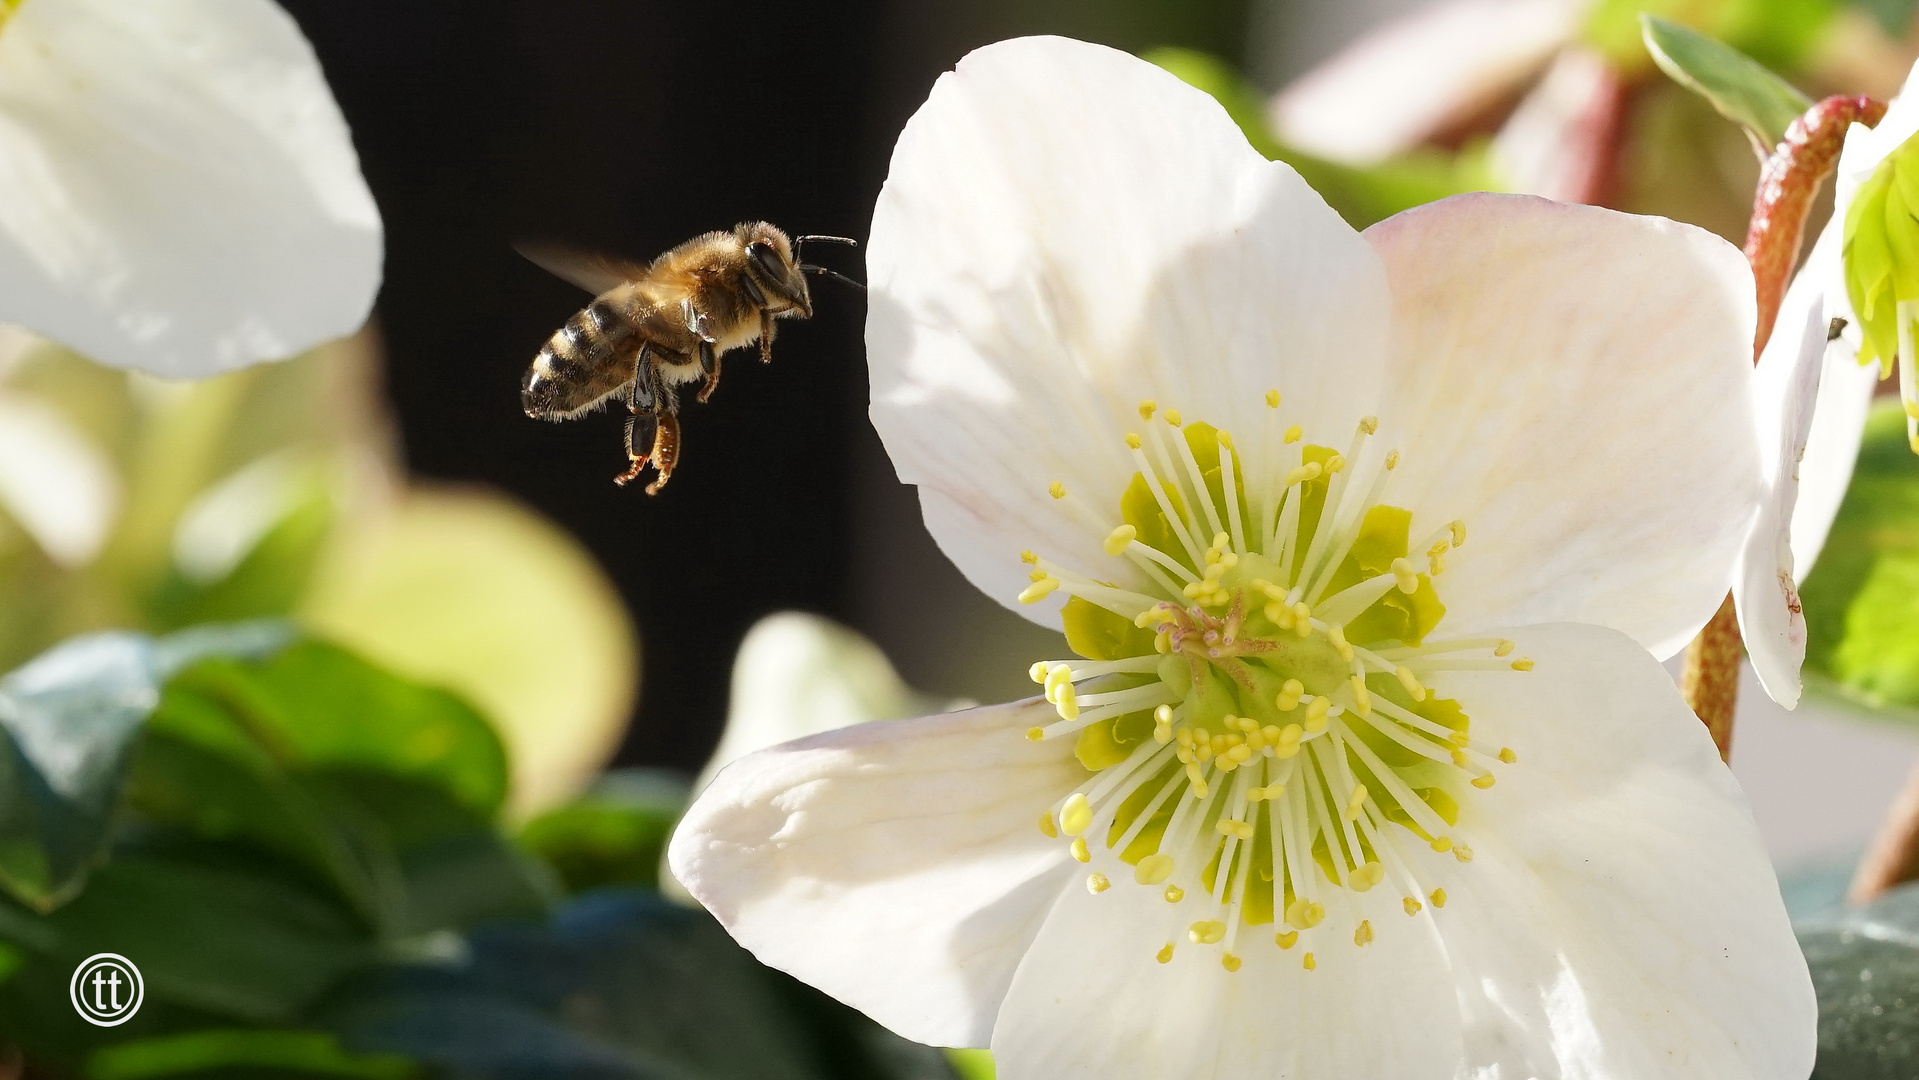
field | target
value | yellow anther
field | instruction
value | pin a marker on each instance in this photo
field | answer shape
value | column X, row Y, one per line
column 1076, row 815
column 1308, row 471
column 1047, row 827
column 1172, row 417
column 1272, row 733
column 1438, row 898
column 1241, row 753
column 1079, row 850
column 1038, row 671
column 1229, row 962
column 1162, row 734
column 1462, row 853
column 1056, row 489
column 1362, row 698
column 1506, row 755
column 1174, row 894
column 1458, row 529
column 1097, row 883
column 1246, row 724
column 1412, row 906
column 1165, row 954
column 1316, row 715
column 1132, row 441
column 1444, row 843
column 1147, row 408
column 1207, row 932
column 1406, row 576
column 1336, row 463
column 1308, row 962
column 1287, row 939
column 1036, row 574
column 1337, row 635
column 1120, row 539
column 1200, row 789
column 1356, row 803
column 1163, row 714
column 1459, row 738
column 1241, row 829
column 1392, row 460
column 1280, row 615
column 1255, row 794
column 1483, row 782
column 1028, row 557
column 1406, row 679
column 1460, row 759
column 1292, row 733
column 1289, row 695
column 1363, row 936
column 1035, row 734
column 1066, row 702
column 1436, row 564
column 1038, row 590
column 1304, row 914
column 1057, row 676
column 1504, row 648
column 1440, row 547
column 1294, row 434
column 1366, row 877
column 1163, row 642
column 1272, row 399
column 1225, row 438
column 1522, row 664
column 1153, row 869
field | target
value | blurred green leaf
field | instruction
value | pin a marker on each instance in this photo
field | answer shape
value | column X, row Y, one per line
column 68, row 724
column 1862, row 597
column 620, row 984
column 612, row 835
column 1776, row 33
column 1865, row 971
column 973, row 1064
column 1739, row 87
column 264, row 1055
column 320, row 705
column 1361, row 196
column 269, row 580
column 1893, row 16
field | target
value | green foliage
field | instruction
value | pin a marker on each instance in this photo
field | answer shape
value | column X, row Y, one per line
column 1361, row 196
column 1739, row 87
column 1862, row 618
column 1865, row 971
column 1777, row 33
column 612, row 835
column 264, row 1054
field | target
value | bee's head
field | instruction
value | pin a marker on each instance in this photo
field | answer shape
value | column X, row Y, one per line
column 771, row 264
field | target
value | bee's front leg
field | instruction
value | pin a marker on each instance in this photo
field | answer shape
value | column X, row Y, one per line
column 766, row 336
column 709, row 363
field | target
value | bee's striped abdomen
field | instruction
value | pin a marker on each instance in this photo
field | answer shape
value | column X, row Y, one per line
column 587, row 359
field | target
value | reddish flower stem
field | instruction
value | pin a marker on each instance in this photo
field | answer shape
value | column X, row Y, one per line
column 1788, row 181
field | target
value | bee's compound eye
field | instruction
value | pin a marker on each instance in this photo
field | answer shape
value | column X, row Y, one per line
column 768, row 259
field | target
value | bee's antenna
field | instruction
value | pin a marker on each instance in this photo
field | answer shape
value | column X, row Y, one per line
column 799, row 243
column 824, row 272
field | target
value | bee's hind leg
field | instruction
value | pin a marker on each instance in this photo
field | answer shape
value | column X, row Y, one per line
column 644, row 399
column 666, row 451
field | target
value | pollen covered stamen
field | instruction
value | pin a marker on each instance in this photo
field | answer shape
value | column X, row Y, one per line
column 1266, row 726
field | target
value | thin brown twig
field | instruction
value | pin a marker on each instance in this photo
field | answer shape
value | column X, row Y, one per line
column 1788, row 180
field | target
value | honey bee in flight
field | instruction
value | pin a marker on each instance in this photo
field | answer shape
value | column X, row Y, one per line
column 654, row 327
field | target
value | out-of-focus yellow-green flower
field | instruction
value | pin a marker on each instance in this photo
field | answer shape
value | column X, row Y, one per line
column 1881, row 245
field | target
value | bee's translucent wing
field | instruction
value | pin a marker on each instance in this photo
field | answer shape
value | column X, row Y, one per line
column 590, row 271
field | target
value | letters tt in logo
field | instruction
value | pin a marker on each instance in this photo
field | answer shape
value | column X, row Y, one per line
column 106, row 989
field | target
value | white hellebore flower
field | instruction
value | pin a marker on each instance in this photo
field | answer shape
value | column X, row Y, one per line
column 1817, row 375
column 1327, row 794
column 178, row 191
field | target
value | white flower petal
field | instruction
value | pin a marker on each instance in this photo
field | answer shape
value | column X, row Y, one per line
column 1866, row 147
column 1067, row 230
column 1845, row 398
column 1812, row 402
column 1414, row 77
column 181, row 195
column 1620, row 917
column 1575, row 385
column 896, row 865
column 1092, row 1000
column 54, row 482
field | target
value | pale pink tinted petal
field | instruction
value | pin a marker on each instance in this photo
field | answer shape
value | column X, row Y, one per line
column 1575, row 385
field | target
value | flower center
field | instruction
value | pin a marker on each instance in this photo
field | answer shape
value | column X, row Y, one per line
column 1260, row 735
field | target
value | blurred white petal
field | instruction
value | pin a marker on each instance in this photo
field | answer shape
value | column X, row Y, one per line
column 178, row 191
column 1412, row 78
column 1558, row 142
column 54, row 482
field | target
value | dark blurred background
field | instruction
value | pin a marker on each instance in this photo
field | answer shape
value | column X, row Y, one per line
column 628, row 127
